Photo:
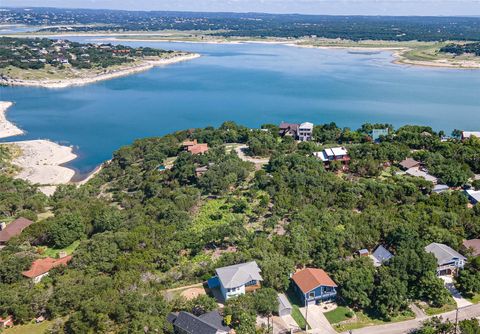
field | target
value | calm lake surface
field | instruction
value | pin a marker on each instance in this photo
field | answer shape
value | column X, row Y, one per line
column 250, row 84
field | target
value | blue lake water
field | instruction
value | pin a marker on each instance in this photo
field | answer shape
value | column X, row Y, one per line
column 250, row 84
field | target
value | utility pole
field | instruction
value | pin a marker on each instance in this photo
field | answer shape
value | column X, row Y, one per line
column 456, row 321
column 306, row 314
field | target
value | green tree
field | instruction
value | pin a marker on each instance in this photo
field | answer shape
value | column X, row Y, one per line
column 356, row 282
column 266, row 303
column 389, row 294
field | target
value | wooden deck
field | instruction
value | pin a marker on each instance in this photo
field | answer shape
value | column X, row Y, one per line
column 251, row 288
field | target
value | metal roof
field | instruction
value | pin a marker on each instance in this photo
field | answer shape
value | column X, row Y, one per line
column 443, row 253
column 239, row 274
column 381, row 255
column 283, row 302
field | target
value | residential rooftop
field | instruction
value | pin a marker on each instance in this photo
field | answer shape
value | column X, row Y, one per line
column 239, row 274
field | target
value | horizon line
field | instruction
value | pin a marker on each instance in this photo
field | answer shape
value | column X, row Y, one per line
column 227, row 12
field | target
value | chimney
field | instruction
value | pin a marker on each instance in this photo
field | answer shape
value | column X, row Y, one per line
column 2, row 226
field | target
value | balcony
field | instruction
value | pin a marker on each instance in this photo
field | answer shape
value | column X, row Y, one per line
column 250, row 288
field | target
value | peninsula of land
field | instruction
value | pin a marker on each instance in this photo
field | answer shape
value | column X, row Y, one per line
column 416, row 53
column 7, row 128
column 86, row 77
column 60, row 63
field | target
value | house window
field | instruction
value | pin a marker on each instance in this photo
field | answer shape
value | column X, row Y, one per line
column 311, row 294
column 251, row 283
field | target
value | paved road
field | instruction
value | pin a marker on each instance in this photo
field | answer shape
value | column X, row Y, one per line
column 469, row 312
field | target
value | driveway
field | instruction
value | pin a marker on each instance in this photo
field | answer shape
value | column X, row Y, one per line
column 461, row 302
column 317, row 321
column 259, row 162
column 280, row 324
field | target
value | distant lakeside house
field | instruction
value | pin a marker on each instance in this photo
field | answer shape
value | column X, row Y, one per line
column 409, row 163
column 237, row 279
column 329, row 155
column 14, row 229
column 378, row 133
column 414, row 168
column 314, row 286
column 6, row 322
column 449, row 261
column 472, row 245
column 468, row 134
column 194, row 147
column 41, row 267
column 302, row 132
column 473, row 195
column 208, row 323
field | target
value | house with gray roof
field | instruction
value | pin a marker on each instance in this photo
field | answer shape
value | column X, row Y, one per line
column 208, row 323
column 377, row 133
column 237, row 279
column 473, row 196
column 380, row 256
column 449, row 261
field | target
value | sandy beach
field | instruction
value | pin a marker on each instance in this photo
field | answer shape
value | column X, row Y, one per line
column 7, row 128
column 40, row 160
column 40, row 163
column 63, row 83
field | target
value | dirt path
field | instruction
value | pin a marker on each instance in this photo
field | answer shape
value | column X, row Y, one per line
column 259, row 162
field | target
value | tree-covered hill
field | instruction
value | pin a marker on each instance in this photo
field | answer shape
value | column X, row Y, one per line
column 398, row 28
column 141, row 229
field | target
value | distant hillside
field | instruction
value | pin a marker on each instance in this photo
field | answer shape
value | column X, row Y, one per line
column 254, row 24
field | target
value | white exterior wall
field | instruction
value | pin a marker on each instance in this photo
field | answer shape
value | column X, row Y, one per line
column 233, row 292
column 39, row 278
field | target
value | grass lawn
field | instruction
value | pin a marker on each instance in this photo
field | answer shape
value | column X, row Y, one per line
column 364, row 320
column 29, row 328
column 296, row 304
column 475, row 299
column 338, row 315
column 450, row 306
column 51, row 252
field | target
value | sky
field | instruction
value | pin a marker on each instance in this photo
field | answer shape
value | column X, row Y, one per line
column 328, row 7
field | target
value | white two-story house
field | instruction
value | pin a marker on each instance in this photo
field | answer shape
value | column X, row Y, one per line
column 449, row 261
column 237, row 279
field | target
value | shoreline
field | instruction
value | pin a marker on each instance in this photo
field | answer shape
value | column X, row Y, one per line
column 64, row 83
column 7, row 128
column 397, row 51
column 41, row 163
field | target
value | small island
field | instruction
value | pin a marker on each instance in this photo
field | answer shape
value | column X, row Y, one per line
column 61, row 63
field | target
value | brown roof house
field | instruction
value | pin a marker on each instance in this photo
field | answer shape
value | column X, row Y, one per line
column 409, row 163
column 13, row 229
column 314, row 285
column 6, row 322
column 198, row 149
column 187, row 143
column 473, row 245
column 288, row 129
column 41, row 267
